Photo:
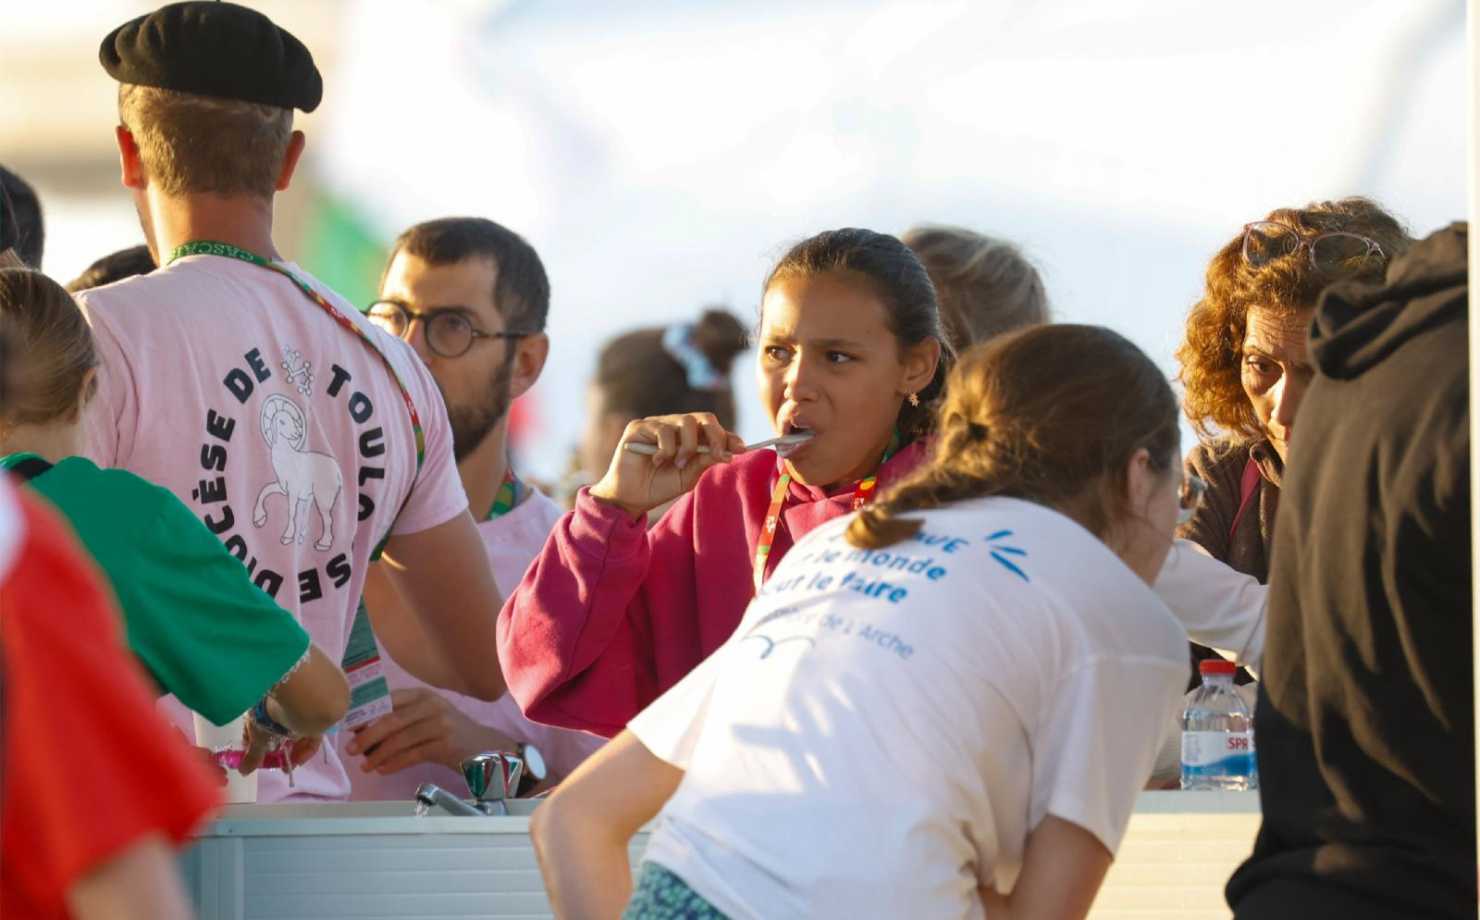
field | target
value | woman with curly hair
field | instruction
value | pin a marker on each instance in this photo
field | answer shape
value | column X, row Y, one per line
column 1246, row 364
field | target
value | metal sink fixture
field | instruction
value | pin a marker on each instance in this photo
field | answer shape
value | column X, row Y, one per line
column 493, row 779
column 379, row 860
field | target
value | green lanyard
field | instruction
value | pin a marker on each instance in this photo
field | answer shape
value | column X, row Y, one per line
column 510, row 492
column 213, row 248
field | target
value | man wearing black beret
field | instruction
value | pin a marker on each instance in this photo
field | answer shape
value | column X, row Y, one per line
column 214, row 49
column 307, row 439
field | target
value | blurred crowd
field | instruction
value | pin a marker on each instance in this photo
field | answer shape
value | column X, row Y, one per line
column 976, row 562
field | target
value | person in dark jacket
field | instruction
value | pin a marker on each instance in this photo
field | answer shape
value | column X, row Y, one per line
column 1245, row 365
column 1364, row 725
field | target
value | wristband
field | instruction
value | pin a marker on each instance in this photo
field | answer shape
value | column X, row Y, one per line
column 267, row 722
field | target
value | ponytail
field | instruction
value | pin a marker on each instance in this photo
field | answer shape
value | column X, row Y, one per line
column 663, row 370
column 1050, row 414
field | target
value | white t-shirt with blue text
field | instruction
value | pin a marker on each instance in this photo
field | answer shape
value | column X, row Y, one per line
column 886, row 727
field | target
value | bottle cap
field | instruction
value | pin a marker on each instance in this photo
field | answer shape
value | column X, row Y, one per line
column 1216, row 666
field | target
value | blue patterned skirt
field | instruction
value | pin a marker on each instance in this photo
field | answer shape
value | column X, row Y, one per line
column 661, row 895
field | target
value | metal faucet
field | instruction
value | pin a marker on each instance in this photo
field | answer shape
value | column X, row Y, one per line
column 432, row 795
column 493, row 778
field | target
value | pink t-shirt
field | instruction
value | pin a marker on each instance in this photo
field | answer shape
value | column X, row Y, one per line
column 284, row 431
column 513, row 541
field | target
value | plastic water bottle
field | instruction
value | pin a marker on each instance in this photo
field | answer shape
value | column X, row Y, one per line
column 1218, row 733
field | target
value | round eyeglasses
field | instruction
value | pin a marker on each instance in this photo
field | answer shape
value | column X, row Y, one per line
column 1189, row 496
column 448, row 330
column 1335, row 254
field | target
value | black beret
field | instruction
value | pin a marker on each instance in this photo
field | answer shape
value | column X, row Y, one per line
column 214, row 49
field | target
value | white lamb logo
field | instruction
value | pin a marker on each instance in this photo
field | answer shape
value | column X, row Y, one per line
column 302, row 475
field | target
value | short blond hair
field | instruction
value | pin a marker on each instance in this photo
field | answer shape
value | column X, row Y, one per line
column 985, row 286
column 192, row 144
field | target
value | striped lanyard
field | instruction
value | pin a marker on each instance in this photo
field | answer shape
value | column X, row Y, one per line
column 861, row 495
column 213, row 248
column 509, row 493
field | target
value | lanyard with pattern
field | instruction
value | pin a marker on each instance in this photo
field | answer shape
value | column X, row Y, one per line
column 861, row 495
column 213, row 248
column 509, row 493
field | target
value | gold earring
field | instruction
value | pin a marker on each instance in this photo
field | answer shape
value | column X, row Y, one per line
column 915, row 399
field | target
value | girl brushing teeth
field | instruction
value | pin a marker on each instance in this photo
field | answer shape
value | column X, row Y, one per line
column 851, row 354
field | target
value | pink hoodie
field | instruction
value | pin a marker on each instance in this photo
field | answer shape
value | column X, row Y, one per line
column 611, row 614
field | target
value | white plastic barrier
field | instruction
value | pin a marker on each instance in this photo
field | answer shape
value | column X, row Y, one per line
column 1177, row 855
column 363, row 860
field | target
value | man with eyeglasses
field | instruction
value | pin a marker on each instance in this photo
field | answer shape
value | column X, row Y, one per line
column 471, row 296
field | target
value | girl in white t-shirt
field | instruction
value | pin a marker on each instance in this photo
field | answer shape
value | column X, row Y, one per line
column 942, row 706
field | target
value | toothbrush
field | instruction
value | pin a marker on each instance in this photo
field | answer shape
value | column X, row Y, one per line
column 784, row 445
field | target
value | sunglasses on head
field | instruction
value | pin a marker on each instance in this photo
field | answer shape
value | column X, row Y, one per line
column 1334, row 254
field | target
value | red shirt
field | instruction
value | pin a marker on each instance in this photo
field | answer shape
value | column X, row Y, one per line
column 611, row 614
column 88, row 767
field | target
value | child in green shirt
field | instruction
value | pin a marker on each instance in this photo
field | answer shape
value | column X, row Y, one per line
column 193, row 617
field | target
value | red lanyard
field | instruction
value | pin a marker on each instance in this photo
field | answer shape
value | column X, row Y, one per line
column 861, row 496
column 768, row 528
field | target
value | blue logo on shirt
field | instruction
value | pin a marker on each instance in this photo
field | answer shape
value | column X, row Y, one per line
column 1000, row 550
column 772, row 643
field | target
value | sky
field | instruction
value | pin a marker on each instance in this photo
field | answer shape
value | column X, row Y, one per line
column 661, row 154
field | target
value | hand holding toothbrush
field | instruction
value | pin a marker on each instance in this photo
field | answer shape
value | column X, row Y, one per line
column 662, row 457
